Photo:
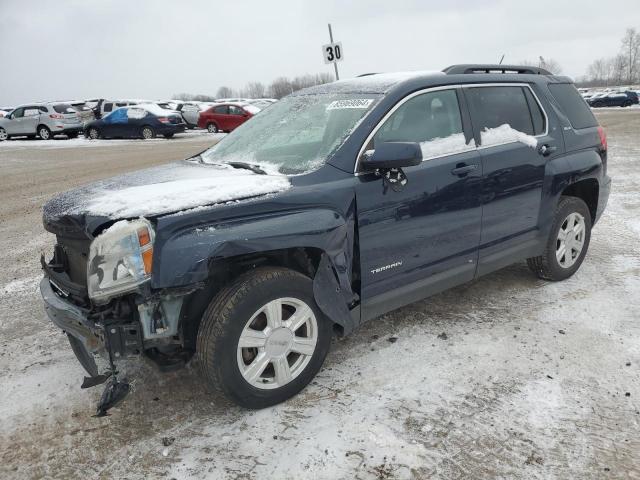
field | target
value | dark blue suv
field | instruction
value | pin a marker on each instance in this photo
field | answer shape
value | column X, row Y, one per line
column 337, row 204
column 614, row 99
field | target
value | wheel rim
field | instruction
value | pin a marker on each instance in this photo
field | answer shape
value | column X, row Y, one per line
column 93, row 134
column 44, row 134
column 277, row 343
column 570, row 240
column 3, row 134
column 147, row 133
column 212, row 128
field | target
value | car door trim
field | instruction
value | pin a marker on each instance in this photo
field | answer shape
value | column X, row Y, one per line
column 471, row 148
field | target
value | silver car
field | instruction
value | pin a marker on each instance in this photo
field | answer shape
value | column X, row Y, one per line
column 41, row 119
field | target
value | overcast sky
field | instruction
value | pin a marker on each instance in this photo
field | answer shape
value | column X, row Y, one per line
column 67, row 49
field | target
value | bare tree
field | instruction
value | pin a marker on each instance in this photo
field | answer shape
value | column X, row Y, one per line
column 549, row 64
column 224, row 92
column 631, row 52
column 280, row 87
column 254, row 90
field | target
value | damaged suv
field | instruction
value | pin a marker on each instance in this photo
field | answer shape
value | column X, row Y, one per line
column 337, row 204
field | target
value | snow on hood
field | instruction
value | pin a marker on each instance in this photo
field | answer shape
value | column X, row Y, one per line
column 166, row 189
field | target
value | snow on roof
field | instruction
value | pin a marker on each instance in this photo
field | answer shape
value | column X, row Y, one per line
column 155, row 109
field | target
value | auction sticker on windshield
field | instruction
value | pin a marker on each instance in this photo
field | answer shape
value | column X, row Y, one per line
column 351, row 103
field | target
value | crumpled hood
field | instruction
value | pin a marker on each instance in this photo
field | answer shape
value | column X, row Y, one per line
column 160, row 190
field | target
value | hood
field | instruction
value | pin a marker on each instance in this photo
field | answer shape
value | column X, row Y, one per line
column 156, row 191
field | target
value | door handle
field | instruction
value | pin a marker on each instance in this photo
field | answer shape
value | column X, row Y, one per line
column 462, row 169
column 546, row 150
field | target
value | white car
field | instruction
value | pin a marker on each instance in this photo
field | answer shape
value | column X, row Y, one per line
column 41, row 119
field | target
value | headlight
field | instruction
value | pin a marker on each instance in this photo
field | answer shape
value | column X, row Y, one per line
column 120, row 259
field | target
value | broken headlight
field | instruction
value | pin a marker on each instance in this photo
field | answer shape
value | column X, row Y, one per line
column 120, row 259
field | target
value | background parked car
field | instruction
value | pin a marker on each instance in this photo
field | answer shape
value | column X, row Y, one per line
column 226, row 117
column 191, row 112
column 140, row 121
column 104, row 106
column 41, row 119
column 5, row 110
column 614, row 99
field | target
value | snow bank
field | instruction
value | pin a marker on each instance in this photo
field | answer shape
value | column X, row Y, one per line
column 444, row 146
column 172, row 196
column 505, row 134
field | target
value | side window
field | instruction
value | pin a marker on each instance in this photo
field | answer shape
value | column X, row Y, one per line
column 573, row 105
column 537, row 115
column 432, row 119
column 108, row 107
column 234, row 110
column 223, row 109
column 31, row 111
column 18, row 113
column 499, row 113
column 117, row 116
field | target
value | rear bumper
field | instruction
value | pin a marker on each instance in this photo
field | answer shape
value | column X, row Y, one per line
column 603, row 197
column 171, row 128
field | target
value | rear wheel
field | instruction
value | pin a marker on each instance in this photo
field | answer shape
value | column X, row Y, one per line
column 212, row 128
column 44, row 133
column 147, row 132
column 3, row 135
column 568, row 241
column 263, row 338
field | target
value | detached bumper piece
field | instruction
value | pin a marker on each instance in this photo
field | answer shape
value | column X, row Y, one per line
column 88, row 338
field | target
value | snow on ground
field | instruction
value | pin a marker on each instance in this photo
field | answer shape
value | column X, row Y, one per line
column 63, row 142
column 506, row 377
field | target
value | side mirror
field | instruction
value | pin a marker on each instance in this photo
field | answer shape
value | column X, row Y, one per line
column 393, row 155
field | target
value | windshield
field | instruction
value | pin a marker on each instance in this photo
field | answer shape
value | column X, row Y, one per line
column 295, row 135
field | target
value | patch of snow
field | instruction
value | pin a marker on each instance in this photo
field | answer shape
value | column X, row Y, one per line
column 22, row 286
column 443, row 146
column 172, row 196
column 506, row 134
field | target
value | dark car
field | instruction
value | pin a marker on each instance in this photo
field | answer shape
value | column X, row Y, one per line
column 614, row 99
column 140, row 121
column 337, row 204
column 226, row 117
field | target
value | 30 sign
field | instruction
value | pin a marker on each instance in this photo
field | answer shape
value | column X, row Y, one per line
column 332, row 52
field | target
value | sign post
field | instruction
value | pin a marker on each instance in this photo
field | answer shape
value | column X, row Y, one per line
column 332, row 52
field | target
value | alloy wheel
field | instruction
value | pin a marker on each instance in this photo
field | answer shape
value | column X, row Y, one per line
column 212, row 128
column 44, row 133
column 277, row 343
column 147, row 133
column 3, row 135
column 570, row 241
column 93, row 134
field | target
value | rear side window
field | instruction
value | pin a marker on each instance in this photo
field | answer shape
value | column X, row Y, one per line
column 62, row 108
column 222, row 109
column 492, row 107
column 573, row 105
column 108, row 107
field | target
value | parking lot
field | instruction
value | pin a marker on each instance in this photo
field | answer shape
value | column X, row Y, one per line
column 506, row 377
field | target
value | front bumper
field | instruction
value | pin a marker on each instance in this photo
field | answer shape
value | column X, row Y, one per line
column 72, row 319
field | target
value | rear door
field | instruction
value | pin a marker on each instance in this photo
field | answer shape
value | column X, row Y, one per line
column 423, row 237
column 221, row 117
column 510, row 126
column 237, row 116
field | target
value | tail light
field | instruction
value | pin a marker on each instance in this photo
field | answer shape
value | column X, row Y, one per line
column 603, row 138
column 57, row 116
column 163, row 119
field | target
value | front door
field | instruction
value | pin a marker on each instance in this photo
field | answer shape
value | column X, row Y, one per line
column 510, row 128
column 424, row 237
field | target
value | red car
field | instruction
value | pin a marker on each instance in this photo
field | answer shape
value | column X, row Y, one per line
column 225, row 117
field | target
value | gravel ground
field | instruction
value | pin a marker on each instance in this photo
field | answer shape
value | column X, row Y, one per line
column 506, row 377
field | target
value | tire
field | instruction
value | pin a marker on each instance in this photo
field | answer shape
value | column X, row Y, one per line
column 552, row 264
column 230, row 314
column 168, row 135
column 147, row 133
column 212, row 128
column 93, row 133
column 626, row 104
column 44, row 133
column 3, row 135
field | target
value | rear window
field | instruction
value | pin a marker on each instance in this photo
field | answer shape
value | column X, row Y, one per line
column 62, row 108
column 573, row 105
column 492, row 107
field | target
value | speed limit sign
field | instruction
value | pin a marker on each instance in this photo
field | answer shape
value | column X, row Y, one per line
column 332, row 52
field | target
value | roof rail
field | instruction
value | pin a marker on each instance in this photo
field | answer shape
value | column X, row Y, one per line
column 492, row 68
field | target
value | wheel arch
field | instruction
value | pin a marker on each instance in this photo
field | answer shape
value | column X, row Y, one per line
column 588, row 190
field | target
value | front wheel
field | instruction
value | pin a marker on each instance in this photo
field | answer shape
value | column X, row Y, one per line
column 3, row 135
column 263, row 338
column 212, row 128
column 93, row 133
column 568, row 241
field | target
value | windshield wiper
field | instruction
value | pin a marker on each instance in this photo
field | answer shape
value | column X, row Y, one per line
column 247, row 166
